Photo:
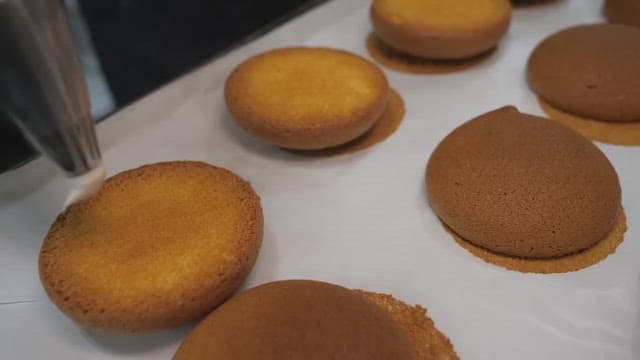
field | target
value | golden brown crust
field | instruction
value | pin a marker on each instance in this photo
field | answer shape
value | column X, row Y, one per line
column 429, row 342
column 604, row 131
column 306, row 98
column 623, row 11
column 573, row 262
column 430, row 30
column 158, row 246
column 523, row 186
column 591, row 71
column 297, row 319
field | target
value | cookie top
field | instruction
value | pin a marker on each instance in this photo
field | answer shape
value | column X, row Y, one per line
column 156, row 247
column 522, row 185
column 306, row 98
column 441, row 29
column 449, row 17
column 591, row 71
column 623, row 11
column 297, row 319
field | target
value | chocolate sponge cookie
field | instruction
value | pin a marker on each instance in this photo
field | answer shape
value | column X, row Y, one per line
column 297, row 319
column 523, row 186
column 305, row 319
column 157, row 247
column 306, row 98
column 623, row 11
column 592, row 71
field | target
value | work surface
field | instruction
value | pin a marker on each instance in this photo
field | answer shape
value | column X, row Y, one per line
column 360, row 220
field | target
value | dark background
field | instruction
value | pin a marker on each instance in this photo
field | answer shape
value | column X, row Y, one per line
column 142, row 44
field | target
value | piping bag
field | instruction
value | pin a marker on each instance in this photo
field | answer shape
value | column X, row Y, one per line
column 44, row 93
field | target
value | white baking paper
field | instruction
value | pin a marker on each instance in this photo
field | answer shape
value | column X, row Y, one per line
column 359, row 220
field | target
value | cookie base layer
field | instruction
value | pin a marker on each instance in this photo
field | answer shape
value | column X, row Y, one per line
column 386, row 125
column 156, row 247
column 573, row 262
column 430, row 343
column 603, row 131
column 393, row 59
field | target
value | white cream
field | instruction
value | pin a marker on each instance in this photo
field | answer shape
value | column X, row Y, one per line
column 83, row 186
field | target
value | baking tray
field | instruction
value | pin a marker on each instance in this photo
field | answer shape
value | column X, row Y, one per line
column 360, row 220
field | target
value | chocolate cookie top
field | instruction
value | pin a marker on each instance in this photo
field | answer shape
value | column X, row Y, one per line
column 623, row 11
column 297, row 319
column 523, row 186
column 592, row 71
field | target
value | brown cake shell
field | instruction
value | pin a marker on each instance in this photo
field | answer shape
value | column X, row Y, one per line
column 523, row 186
column 623, row 11
column 297, row 319
column 591, row 71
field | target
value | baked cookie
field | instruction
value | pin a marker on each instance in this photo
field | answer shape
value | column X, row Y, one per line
column 304, row 319
column 436, row 29
column 591, row 71
column 157, row 247
column 523, row 186
column 623, row 11
column 429, row 342
column 306, row 98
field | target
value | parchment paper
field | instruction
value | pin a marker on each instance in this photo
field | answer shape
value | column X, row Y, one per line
column 359, row 220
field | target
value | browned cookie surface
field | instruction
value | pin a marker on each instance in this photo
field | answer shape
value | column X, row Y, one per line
column 435, row 29
column 623, row 11
column 591, row 71
column 523, row 186
column 430, row 343
column 297, row 319
column 572, row 262
column 306, row 98
column 158, row 246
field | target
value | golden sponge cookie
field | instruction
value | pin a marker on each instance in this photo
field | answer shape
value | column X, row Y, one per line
column 429, row 342
column 436, row 29
column 306, row 98
column 592, row 71
column 156, row 247
column 523, row 186
column 297, row 319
